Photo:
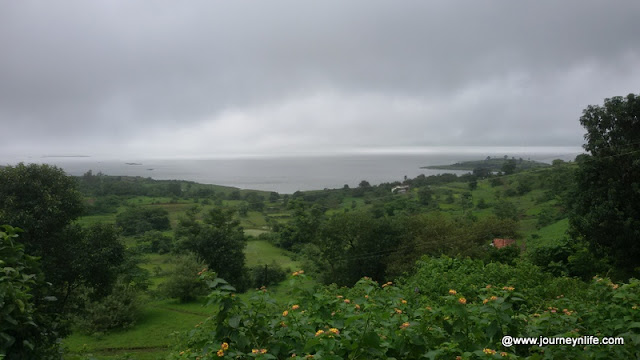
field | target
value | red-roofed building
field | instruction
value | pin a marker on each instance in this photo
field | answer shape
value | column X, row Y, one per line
column 500, row 243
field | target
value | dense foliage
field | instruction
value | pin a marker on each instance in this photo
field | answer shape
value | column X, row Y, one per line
column 450, row 308
column 183, row 282
column 138, row 220
column 219, row 241
column 606, row 201
column 25, row 333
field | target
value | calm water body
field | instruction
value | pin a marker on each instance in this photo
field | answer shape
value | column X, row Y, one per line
column 284, row 174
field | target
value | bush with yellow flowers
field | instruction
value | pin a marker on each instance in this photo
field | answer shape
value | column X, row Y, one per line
column 459, row 320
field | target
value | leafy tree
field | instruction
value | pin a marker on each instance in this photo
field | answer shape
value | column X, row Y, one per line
column 234, row 195
column 174, row 188
column 509, row 167
column 304, row 226
column 137, row 220
column 605, row 206
column 243, row 209
column 473, row 185
column 482, row 172
column 524, row 186
column 25, row 332
column 255, row 201
column 466, row 201
column 156, row 242
column 183, row 283
column 41, row 199
column 505, row 209
column 353, row 245
column 482, row 204
column 425, row 195
column 219, row 241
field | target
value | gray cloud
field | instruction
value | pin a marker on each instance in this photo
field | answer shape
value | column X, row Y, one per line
column 210, row 77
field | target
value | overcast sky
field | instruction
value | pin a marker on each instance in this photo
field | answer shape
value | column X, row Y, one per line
column 169, row 78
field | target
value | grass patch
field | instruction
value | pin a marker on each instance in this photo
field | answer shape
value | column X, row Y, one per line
column 158, row 320
column 260, row 252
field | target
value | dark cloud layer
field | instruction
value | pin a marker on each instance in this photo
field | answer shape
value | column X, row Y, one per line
column 198, row 77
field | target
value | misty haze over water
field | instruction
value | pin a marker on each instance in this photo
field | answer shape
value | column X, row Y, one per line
column 287, row 174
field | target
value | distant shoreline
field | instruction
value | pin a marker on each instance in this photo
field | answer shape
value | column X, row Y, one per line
column 65, row 156
column 489, row 163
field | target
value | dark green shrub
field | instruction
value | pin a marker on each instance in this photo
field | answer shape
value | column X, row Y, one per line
column 138, row 220
column 24, row 332
column 118, row 310
column 266, row 275
column 183, row 283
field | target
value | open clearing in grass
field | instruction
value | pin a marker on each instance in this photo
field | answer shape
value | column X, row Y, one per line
column 158, row 319
column 260, row 252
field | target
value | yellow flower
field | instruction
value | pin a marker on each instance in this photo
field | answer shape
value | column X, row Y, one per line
column 224, row 346
column 494, row 298
column 504, row 354
column 285, row 313
column 263, row 351
column 488, row 286
column 485, row 301
column 404, row 325
column 334, row 331
column 452, row 292
column 462, row 301
column 220, row 353
column 255, row 351
column 347, row 301
column 319, row 332
column 357, row 307
column 488, row 351
column 398, row 311
column 295, row 307
column 339, row 296
column 403, row 301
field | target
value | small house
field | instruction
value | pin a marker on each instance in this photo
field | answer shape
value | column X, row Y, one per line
column 500, row 243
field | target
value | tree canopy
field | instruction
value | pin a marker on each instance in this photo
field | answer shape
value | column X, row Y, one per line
column 606, row 201
column 219, row 241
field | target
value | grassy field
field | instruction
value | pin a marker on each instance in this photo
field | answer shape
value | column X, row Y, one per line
column 260, row 252
column 151, row 336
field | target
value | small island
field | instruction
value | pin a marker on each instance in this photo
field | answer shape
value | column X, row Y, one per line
column 492, row 164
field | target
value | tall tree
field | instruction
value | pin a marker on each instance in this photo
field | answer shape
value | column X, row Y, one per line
column 605, row 206
column 220, row 242
column 41, row 200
